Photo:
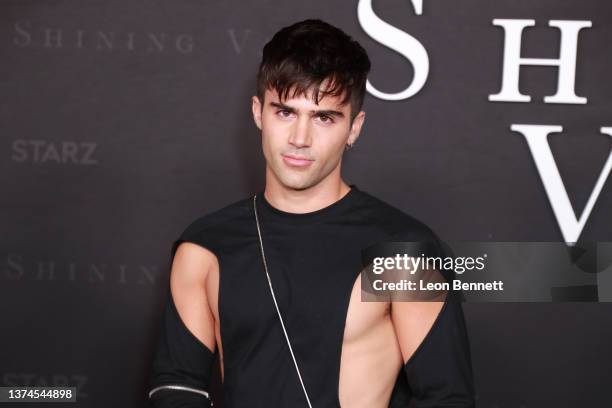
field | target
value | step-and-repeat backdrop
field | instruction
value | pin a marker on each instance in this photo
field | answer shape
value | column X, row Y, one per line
column 121, row 122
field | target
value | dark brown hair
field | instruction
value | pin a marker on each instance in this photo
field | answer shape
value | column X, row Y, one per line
column 305, row 54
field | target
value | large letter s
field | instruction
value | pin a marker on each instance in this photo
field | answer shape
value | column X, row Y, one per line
column 402, row 42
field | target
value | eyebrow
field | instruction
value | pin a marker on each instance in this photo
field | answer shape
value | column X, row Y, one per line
column 329, row 112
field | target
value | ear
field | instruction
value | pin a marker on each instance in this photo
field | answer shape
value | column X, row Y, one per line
column 356, row 128
column 256, row 108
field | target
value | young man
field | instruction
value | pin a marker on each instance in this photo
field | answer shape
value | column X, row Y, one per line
column 305, row 231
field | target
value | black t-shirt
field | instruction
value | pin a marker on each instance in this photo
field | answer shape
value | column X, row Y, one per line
column 313, row 260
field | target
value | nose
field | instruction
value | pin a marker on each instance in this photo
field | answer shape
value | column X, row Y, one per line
column 300, row 133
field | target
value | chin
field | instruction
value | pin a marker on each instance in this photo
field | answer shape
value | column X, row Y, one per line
column 296, row 183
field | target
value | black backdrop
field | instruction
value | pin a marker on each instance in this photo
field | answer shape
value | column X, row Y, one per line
column 123, row 121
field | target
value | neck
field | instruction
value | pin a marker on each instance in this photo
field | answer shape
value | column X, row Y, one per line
column 307, row 200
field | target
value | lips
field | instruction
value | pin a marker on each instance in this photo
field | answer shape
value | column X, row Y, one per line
column 296, row 161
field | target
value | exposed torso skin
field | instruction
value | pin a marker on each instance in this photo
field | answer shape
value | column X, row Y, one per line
column 371, row 356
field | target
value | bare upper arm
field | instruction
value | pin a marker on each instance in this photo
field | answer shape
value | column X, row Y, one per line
column 190, row 272
column 412, row 321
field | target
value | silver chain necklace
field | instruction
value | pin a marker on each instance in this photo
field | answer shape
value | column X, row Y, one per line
column 263, row 257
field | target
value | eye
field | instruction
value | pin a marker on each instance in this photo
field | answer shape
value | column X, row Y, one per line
column 326, row 119
column 282, row 112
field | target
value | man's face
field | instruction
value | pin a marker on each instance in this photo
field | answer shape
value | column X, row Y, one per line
column 303, row 142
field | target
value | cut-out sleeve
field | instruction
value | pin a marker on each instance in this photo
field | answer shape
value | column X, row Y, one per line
column 182, row 364
column 181, row 373
column 439, row 373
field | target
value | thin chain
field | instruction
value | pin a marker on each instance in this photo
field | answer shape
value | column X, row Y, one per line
column 263, row 256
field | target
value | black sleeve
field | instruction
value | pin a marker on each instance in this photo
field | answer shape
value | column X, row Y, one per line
column 439, row 373
column 182, row 365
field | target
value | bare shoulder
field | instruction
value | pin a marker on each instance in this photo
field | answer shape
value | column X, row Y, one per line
column 192, row 263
